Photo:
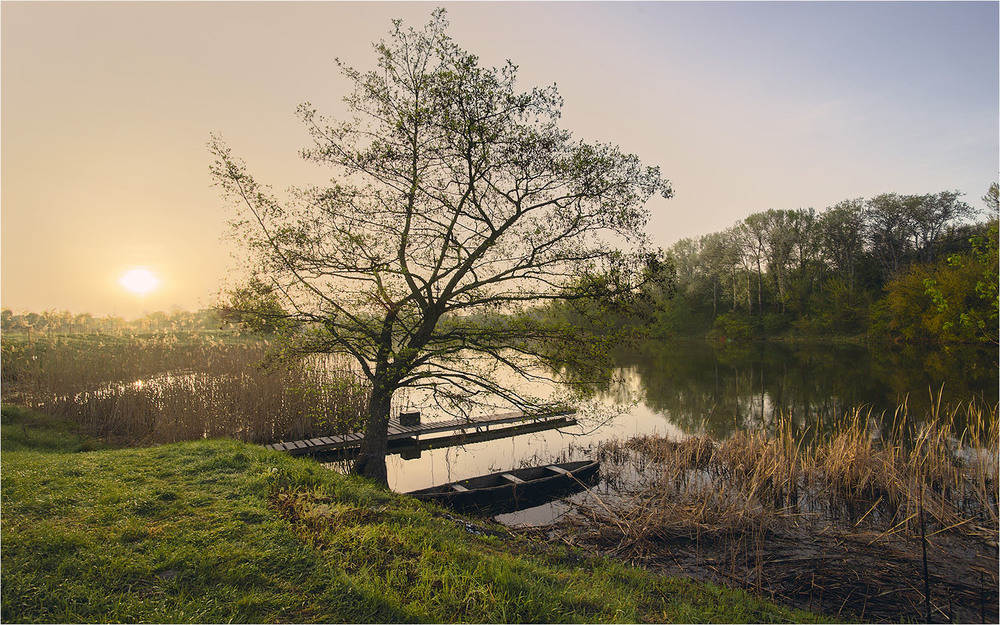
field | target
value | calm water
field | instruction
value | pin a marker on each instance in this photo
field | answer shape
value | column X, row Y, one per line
column 679, row 388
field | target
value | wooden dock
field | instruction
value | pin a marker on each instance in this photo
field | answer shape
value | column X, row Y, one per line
column 455, row 430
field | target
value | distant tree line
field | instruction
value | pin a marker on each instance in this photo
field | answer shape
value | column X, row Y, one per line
column 65, row 322
column 912, row 268
column 906, row 268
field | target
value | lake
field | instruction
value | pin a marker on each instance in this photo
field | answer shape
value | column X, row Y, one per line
column 678, row 388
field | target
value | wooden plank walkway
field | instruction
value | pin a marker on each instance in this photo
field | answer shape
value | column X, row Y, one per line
column 397, row 431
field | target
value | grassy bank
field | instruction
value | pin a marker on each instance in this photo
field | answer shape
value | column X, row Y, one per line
column 219, row 531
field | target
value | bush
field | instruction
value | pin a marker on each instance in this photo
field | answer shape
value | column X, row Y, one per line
column 839, row 309
column 775, row 323
column 952, row 300
column 732, row 327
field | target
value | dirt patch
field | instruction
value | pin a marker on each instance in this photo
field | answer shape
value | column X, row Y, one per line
column 840, row 572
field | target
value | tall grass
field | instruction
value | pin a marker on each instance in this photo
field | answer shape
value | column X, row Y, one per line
column 167, row 387
column 857, row 474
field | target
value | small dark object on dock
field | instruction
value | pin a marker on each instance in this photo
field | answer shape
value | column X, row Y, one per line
column 409, row 419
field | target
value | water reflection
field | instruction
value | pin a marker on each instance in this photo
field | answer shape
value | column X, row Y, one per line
column 678, row 388
column 723, row 389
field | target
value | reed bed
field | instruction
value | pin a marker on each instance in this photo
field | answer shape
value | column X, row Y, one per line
column 167, row 387
column 884, row 517
column 862, row 472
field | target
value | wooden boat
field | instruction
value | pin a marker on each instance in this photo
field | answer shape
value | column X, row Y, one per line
column 517, row 489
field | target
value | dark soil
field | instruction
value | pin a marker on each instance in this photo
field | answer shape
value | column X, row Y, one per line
column 845, row 573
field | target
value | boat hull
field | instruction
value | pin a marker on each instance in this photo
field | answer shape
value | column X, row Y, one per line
column 509, row 491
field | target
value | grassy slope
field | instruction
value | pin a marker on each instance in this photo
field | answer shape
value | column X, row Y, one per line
column 221, row 531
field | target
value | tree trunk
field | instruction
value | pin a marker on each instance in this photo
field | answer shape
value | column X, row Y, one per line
column 371, row 459
column 735, row 299
column 760, row 291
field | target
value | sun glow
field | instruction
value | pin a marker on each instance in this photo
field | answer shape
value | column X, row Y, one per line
column 139, row 280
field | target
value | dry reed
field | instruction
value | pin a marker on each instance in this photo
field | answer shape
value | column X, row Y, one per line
column 164, row 387
column 850, row 522
column 699, row 486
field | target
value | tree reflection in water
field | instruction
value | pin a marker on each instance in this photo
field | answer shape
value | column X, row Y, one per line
column 721, row 389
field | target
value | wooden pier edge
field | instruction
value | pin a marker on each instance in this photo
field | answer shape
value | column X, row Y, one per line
column 474, row 428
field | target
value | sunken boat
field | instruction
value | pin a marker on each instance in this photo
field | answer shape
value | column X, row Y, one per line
column 518, row 489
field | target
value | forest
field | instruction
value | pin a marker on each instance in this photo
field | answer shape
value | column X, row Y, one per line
column 897, row 268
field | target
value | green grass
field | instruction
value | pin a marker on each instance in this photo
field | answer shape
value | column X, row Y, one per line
column 220, row 531
column 22, row 429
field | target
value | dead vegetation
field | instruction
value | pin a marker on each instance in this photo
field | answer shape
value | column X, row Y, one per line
column 866, row 521
column 163, row 388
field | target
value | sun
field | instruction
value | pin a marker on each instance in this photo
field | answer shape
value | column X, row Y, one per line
column 139, row 280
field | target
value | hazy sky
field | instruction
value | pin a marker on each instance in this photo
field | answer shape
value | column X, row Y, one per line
column 107, row 109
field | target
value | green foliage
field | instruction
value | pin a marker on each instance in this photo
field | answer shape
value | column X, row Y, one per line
column 981, row 316
column 950, row 300
column 21, row 428
column 803, row 273
column 773, row 323
column 257, row 307
column 907, row 310
column 838, row 309
column 681, row 317
column 732, row 327
column 625, row 300
column 220, row 531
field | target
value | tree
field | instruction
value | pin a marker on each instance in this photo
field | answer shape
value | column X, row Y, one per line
column 889, row 230
column 83, row 322
column 729, row 248
column 903, row 228
column 719, row 261
column 931, row 215
column 992, row 199
column 778, row 228
column 842, row 228
column 686, row 258
column 964, row 290
column 457, row 204
column 806, row 271
column 256, row 306
column 753, row 237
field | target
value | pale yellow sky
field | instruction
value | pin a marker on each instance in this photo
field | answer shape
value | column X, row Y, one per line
column 107, row 109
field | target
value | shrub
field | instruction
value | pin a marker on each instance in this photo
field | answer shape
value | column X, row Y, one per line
column 733, row 327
